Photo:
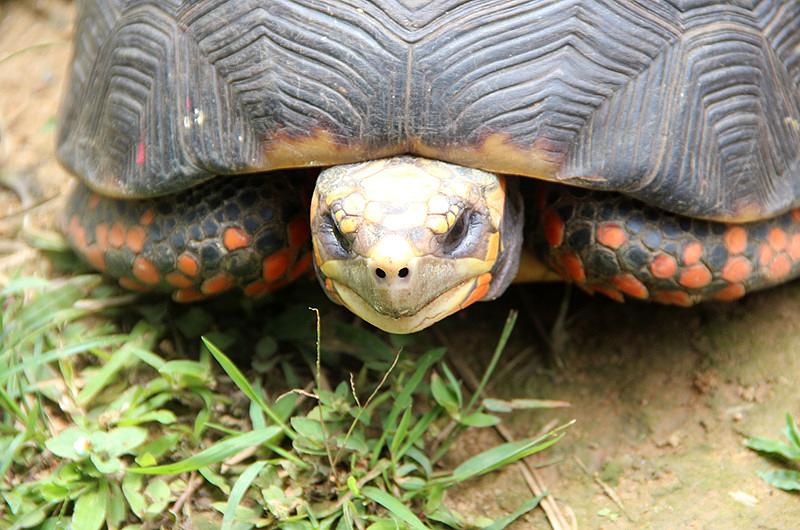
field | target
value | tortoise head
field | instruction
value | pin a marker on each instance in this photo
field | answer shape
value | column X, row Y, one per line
column 404, row 242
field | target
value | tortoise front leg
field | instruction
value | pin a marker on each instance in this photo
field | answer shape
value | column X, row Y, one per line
column 614, row 245
column 244, row 231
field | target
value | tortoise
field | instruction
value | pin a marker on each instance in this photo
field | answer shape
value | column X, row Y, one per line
column 645, row 150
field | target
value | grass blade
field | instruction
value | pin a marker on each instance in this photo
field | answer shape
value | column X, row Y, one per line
column 403, row 400
column 20, row 285
column 60, row 353
column 504, row 454
column 498, row 351
column 8, row 403
column 394, row 506
column 142, row 336
column 214, row 454
column 239, row 379
column 238, row 491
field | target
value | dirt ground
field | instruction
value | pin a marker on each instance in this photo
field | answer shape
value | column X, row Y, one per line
column 663, row 397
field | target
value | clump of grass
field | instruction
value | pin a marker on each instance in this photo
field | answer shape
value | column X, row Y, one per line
column 137, row 422
column 787, row 452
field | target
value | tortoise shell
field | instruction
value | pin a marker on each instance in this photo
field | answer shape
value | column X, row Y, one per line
column 689, row 105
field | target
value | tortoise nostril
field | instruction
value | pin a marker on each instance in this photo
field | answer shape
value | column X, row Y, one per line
column 380, row 273
column 403, row 272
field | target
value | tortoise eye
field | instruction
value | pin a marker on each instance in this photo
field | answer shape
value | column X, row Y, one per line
column 457, row 235
column 344, row 242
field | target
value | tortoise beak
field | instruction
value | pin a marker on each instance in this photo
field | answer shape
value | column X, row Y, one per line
column 407, row 295
column 438, row 308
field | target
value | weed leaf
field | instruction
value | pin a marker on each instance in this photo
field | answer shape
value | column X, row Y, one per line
column 90, row 510
column 773, row 447
column 394, row 506
column 785, row 479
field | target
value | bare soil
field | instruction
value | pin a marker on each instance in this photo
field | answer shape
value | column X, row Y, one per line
column 663, row 397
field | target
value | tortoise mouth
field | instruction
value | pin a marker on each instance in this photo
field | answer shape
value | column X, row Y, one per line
column 408, row 320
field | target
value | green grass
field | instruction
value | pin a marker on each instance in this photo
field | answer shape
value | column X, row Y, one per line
column 118, row 413
column 787, row 452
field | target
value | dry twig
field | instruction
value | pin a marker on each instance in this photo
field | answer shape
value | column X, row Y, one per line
column 556, row 518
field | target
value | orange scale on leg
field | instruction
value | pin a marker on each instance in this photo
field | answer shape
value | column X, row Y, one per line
column 736, row 269
column 116, row 236
column 794, row 247
column 573, row 267
column 136, row 238
column 553, row 228
column 664, row 266
column 79, row 237
column 188, row 265
column 777, row 239
column 219, row 283
column 75, row 228
column 188, row 295
column 145, row 271
column 235, row 238
column 280, row 284
column 609, row 292
column 735, row 240
column 302, row 266
column 795, row 215
column 730, row 293
column 692, row 253
column 695, row 277
column 147, row 217
column 780, row 267
column 257, row 289
column 96, row 257
column 630, row 285
column 673, row 298
column 133, row 285
column 611, row 235
column 101, row 235
column 275, row 266
column 178, row 280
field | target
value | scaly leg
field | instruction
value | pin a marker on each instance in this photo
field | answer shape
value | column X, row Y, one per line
column 245, row 231
column 614, row 245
